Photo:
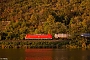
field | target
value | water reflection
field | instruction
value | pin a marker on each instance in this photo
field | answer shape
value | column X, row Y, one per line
column 44, row 54
column 56, row 54
column 12, row 54
column 38, row 54
column 64, row 54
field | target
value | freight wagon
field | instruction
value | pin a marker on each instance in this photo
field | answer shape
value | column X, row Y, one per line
column 62, row 36
column 87, row 35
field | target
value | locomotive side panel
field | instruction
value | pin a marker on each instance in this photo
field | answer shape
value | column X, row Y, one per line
column 38, row 36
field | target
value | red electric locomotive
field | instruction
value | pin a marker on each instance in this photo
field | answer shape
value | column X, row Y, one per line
column 38, row 36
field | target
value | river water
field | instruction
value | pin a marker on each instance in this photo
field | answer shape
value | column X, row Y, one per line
column 44, row 54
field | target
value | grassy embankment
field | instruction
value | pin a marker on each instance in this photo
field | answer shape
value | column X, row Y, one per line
column 25, row 44
column 33, row 44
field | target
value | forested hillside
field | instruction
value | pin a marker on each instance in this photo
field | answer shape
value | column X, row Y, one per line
column 43, row 17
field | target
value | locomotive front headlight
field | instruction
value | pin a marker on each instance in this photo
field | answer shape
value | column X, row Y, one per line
column 82, row 35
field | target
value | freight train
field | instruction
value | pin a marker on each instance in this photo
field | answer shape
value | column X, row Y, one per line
column 56, row 36
column 46, row 36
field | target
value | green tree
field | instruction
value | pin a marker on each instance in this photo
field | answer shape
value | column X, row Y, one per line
column 60, row 28
column 48, row 25
column 34, row 20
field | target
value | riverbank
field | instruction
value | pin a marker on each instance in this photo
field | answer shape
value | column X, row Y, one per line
column 33, row 44
column 25, row 44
